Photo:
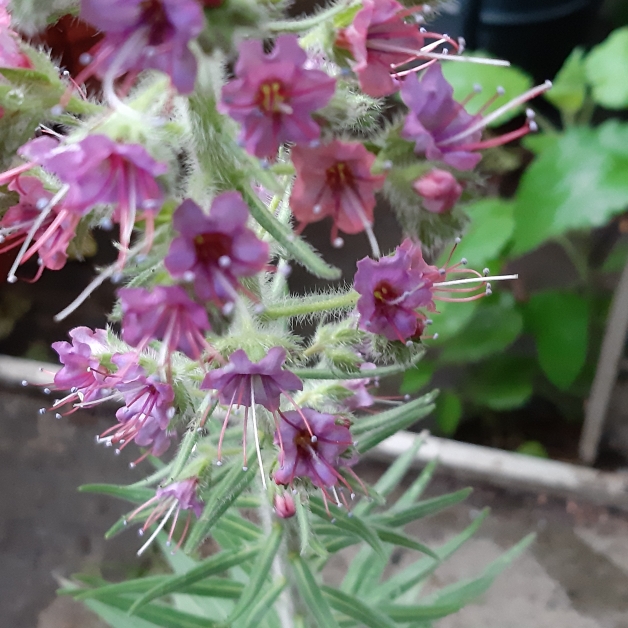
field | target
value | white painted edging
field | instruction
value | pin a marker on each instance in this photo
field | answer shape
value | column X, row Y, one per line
column 508, row 469
column 494, row 466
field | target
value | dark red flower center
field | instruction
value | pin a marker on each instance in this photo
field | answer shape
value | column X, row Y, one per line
column 272, row 97
column 384, row 292
column 155, row 17
column 210, row 247
column 303, row 440
column 339, row 176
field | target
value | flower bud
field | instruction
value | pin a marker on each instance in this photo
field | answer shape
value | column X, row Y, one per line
column 439, row 189
column 284, row 506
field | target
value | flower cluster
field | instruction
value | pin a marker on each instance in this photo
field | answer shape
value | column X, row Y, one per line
column 206, row 321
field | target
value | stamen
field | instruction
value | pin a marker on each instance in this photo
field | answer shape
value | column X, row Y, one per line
column 158, row 529
column 256, row 435
column 455, row 282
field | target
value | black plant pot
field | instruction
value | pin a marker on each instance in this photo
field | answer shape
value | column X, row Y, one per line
column 536, row 35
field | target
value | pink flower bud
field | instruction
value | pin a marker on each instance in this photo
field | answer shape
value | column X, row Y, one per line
column 284, row 506
column 439, row 189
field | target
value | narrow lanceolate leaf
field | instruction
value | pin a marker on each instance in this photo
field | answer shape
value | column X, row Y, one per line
column 401, row 540
column 238, row 527
column 115, row 617
column 356, row 609
column 263, row 604
column 311, row 593
column 222, row 498
column 453, row 598
column 260, row 572
column 354, row 525
column 415, row 490
column 422, row 509
column 137, row 495
column 138, row 585
column 208, row 567
column 303, row 518
column 404, row 580
column 297, row 248
column 365, row 566
column 163, row 616
column 382, row 371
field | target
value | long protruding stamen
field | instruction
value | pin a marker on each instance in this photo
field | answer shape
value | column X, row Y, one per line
column 483, row 122
column 11, row 277
column 158, row 529
column 256, row 435
column 224, row 428
column 456, row 282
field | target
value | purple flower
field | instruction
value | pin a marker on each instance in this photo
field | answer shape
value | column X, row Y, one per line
column 273, row 96
column 145, row 34
column 284, row 505
column 391, row 289
column 147, row 411
column 99, row 171
column 217, row 248
column 242, row 382
column 164, row 313
column 312, row 446
column 361, row 397
column 167, row 505
column 435, row 121
column 11, row 55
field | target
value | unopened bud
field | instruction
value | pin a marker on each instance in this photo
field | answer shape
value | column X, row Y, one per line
column 284, row 506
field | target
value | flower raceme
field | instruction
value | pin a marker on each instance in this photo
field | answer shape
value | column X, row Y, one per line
column 143, row 35
column 273, row 96
column 214, row 250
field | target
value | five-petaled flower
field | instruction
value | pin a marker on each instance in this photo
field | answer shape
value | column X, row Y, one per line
column 273, row 96
column 215, row 250
column 335, row 180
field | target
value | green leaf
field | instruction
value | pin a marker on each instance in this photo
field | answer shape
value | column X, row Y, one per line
column 137, row 495
column 353, row 607
column 487, row 233
column 422, row 509
column 260, row 572
column 210, row 566
column 303, row 518
column 417, row 377
column 311, row 593
column 560, row 324
column 495, row 325
column 450, row 320
column 402, row 540
column 351, row 524
column 607, row 70
column 263, row 604
column 532, row 448
column 465, row 76
column 569, row 87
column 577, row 182
column 222, row 498
column 115, row 617
column 404, row 580
column 503, row 383
column 448, row 412
column 415, row 490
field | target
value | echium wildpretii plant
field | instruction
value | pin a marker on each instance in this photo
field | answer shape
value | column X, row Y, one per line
column 225, row 129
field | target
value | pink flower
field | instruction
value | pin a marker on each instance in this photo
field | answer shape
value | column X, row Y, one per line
column 313, row 446
column 10, row 54
column 273, row 96
column 216, row 249
column 379, row 39
column 439, row 189
column 335, row 180
column 391, row 289
column 284, row 505
column 164, row 313
column 145, row 34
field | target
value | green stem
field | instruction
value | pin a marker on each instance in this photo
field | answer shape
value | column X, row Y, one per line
column 306, row 24
column 300, row 307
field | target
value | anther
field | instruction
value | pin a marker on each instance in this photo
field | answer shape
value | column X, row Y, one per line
column 464, row 261
column 24, row 382
column 41, row 203
column 57, row 110
column 259, row 308
column 188, row 276
column 477, row 88
column 333, row 520
column 409, row 343
column 338, row 243
column 406, row 397
column 435, row 337
column 486, row 271
column 140, row 532
column 228, row 308
column 245, row 469
column 458, row 240
column 58, row 416
column 488, row 292
column 85, row 58
column 11, row 279
column 317, row 209
column 42, row 410
column 219, row 463
column 442, row 272
column 533, row 126
column 131, row 465
column 46, row 391
column 224, row 261
column 500, row 90
column 117, row 452
column 314, row 438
